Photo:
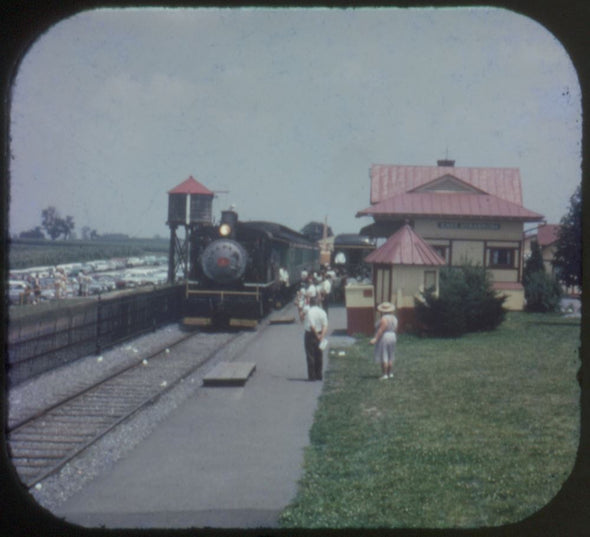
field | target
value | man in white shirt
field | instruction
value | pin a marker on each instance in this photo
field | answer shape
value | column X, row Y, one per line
column 315, row 323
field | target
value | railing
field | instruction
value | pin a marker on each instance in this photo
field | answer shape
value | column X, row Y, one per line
column 44, row 342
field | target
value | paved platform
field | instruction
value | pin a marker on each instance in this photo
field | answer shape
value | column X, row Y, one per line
column 229, row 457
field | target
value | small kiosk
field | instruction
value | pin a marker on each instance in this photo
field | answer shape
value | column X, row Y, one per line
column 360, row 309
column 402, row 267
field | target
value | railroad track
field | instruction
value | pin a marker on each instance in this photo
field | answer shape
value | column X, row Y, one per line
column 42, row 443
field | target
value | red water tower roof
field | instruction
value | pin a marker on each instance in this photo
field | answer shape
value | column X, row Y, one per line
column 191, row 186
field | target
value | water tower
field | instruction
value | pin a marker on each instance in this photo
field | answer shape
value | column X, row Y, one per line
column 189, row 206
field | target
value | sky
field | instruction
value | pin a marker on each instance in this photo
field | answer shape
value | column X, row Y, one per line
column 282, row 111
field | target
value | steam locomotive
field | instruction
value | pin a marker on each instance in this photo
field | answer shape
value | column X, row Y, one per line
column 235, row 268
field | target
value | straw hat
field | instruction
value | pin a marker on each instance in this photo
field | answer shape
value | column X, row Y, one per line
column 386, row 307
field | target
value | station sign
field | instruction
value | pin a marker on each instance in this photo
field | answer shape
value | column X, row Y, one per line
column 469, row 225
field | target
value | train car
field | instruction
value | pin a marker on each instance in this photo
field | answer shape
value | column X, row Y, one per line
column 349, row 252
column 235, row 270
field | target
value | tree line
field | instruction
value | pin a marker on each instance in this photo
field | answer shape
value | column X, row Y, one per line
column 54, row 226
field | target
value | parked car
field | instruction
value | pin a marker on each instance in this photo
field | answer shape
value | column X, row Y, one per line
column 16, row 290
column 106, row 282
column 94, row 288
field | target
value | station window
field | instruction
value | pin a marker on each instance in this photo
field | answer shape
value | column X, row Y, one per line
column 501, row 257
column 442, row 251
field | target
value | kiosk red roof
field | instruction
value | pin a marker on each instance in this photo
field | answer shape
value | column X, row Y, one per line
column 191, row 186
column 405, row 247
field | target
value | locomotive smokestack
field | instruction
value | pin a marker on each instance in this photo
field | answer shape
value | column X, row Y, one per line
column 229, row 221
column 229, row 217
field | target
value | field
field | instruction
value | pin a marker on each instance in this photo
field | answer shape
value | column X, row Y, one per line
column 471, row 432
column 34, row 253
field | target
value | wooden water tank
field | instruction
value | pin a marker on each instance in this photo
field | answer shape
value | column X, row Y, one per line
column 189, row 203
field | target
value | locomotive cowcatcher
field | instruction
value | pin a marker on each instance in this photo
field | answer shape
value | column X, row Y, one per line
column 235, row 269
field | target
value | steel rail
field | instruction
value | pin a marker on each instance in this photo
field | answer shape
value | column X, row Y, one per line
column 104, row 431
column 38, row 443
column 100, row 429
column 12, row 427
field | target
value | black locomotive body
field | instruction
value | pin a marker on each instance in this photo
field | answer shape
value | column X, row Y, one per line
column 235, row 268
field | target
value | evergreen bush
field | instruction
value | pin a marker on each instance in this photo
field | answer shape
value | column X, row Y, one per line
column 466, row 303
column 542, row 293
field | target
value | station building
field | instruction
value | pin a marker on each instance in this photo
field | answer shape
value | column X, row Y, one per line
column 462, row 214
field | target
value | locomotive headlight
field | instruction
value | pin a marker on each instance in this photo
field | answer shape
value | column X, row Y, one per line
column 224, row 230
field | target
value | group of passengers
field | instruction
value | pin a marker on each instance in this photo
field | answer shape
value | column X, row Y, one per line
column 312, row 302
column 318, row 285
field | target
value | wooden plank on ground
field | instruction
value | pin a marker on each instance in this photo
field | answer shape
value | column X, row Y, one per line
column 282, row 320
column 229, row 374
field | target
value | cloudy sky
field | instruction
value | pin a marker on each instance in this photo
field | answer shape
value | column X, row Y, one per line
column 286, row 109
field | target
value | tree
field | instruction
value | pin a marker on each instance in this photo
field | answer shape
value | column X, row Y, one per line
column 541, row 290
column 55, row 225
column 49, row 222
column 67, row 227
column 542, row 293
column 534, row 263
column 35, row 233
column 568, row 254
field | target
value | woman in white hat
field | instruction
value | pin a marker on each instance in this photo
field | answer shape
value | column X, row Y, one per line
column 385, row 339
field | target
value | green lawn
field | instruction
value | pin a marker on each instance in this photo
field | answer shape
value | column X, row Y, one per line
column 477, row 431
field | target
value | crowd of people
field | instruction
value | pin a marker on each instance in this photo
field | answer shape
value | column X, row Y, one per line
column 313, row 300
column 58, row 282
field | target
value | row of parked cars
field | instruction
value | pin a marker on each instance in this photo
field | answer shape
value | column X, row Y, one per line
column 84, row 279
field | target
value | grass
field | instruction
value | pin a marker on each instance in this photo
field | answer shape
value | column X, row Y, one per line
column 477, row 431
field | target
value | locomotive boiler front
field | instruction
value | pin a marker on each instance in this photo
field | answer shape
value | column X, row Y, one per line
column 224, row 261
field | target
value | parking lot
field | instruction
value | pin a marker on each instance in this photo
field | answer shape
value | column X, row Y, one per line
column 37, row 284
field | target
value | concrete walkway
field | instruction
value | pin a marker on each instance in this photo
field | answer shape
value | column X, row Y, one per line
column 228, row 457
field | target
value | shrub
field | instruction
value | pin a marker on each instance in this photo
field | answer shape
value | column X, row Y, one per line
column 466, row 303
column 533, row 264
column 542, row 293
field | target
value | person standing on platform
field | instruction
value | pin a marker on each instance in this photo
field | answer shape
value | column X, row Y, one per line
column 315, row 323
column 385, row 339
column 326, row 292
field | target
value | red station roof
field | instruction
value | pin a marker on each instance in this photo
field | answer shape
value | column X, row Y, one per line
column 405, row 247
column 547, row 234
column 450, row 204
column 191, row 186
column 388, row 180
column 447, row 191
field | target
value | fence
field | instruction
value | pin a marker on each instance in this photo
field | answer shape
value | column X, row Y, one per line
column 40, row 343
